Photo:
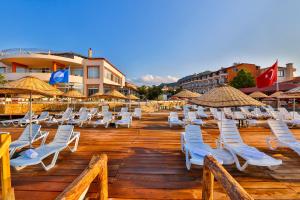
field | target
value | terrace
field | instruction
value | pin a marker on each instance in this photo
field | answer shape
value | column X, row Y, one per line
column 145, row 162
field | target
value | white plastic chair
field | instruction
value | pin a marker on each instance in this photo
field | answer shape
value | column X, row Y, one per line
column 195, row 149
column 125, row 120
column 282, row 136
column 64, row 137
column 24, row 141
column 67, row 115
column 231, row 140
column 137, row 113
column 107, row 118
column 192, row 118
column 174, row 120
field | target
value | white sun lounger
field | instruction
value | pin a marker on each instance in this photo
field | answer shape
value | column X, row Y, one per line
column 65, row 117
column 201, row 113
column 259, row 114
column 63, row 138
column 125, row 120
column 81, row 110
column 279, row 116
column 228, row 113
column 283, row 111
column 107, row 118
column 174, row 120
column 247, row 113
column 83, row 118
column 237, row 115
column 16, row 122
column 195, row 149
column 43, row 117
column 24, row 141
column 137, row 113
column 192, row 118
column 123, row 110
column 231, row 140
column 282, row 136
column 93, row 112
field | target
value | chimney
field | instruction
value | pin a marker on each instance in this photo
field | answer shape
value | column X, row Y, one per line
column 90, row 53
column 290, row 71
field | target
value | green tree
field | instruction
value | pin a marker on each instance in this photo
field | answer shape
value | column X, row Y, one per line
column 2, row 79
column 143, row 90
column 243, row 79
column 154, row 92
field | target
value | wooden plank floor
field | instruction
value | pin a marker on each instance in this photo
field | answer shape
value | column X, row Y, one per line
column 145, row 162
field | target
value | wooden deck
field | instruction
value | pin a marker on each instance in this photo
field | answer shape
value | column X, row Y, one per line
column 145, row 162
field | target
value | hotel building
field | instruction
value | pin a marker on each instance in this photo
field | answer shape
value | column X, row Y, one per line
column 203, row 82
column 88, row 74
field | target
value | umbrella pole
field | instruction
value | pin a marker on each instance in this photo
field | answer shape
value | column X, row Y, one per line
column 30, row 119
column 294, row 107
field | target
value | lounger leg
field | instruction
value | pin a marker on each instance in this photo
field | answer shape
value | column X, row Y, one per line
column 237, row 162
column 187, row 159
column 53, row 162
column 182, row 143
column 74, row 148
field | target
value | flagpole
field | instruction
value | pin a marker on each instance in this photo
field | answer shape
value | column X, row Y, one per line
column 277, row 85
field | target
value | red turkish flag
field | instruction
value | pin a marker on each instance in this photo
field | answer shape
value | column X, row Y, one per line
column 268, row 77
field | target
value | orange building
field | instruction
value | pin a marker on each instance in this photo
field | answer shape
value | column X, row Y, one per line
column 233, row 70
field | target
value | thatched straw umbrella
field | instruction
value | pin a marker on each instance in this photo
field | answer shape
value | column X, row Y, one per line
column 32, row 86
column 291, row 94
column 225, row 96
column 114, row 94
column 73, row 94
column 186, row 94
column 132, row 97
column 258, row 95
column 276, row 94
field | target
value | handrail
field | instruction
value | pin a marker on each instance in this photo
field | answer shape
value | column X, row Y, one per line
column 7, row 190
column 232, row 188
column 97, row 169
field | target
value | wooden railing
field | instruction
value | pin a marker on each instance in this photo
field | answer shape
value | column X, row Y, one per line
column 97, row 169
column 7, row 190
column 212, row 169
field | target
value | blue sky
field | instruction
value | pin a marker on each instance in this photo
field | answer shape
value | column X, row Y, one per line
column 159, row 40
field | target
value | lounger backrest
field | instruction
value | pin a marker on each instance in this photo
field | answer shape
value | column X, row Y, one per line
column 105, row 108
column 295, row 114
column 93, row 111
column 173, row 115
column 229, row 132
column 84, row 116
column 82, row 110
column 44, row 115
column 281, row 130
column 137, row 111
column 238, row 115
column 277, row 115
column 25, row 134
column 63, row 134
column 193, row 134
column 257, row 111
column 67, row 114
column 126, row 116
column 192, row 115
column 27, row 115
column 283, row 111
column 213, row 110
column 107, row 116
column 245, row 110
column 219, row 116
column 124, row 109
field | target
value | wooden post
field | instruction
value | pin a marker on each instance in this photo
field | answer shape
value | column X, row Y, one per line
column 208, row 184
column 7, row 191
column 103, row 180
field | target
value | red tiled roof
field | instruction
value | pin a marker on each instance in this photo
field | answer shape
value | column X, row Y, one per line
column 282, row 87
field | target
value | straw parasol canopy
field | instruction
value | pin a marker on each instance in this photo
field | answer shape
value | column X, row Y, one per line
column 132, row 97
column 27, row 85
column 225, row 96
column 26, row 96
column 114, row 94
column 276, row 94
column 258, row 95
column 32, row 86
column 74, row 94
column 294, row 91
column 186, row 94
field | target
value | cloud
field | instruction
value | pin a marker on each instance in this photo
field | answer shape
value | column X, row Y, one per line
column 150, row 79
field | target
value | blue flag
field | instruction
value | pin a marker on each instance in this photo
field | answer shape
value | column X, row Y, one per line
column 59, row 76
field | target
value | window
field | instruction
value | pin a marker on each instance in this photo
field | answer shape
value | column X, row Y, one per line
column 280, row 73
column 39, row 70
column 2, row 70
column 77, row 71
column 93, row 72
column 21, row 69
column 92, row 89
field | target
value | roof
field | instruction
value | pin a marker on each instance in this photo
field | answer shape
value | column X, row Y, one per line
column 282, row 87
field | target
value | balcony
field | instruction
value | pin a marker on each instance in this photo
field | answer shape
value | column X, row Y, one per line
column 42, row 76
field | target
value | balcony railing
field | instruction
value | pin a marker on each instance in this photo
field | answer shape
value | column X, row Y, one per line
column 25, row 51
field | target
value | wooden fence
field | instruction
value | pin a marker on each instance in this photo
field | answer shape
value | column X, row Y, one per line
column 7, row 190
column 212, row 169
column 97, row 170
